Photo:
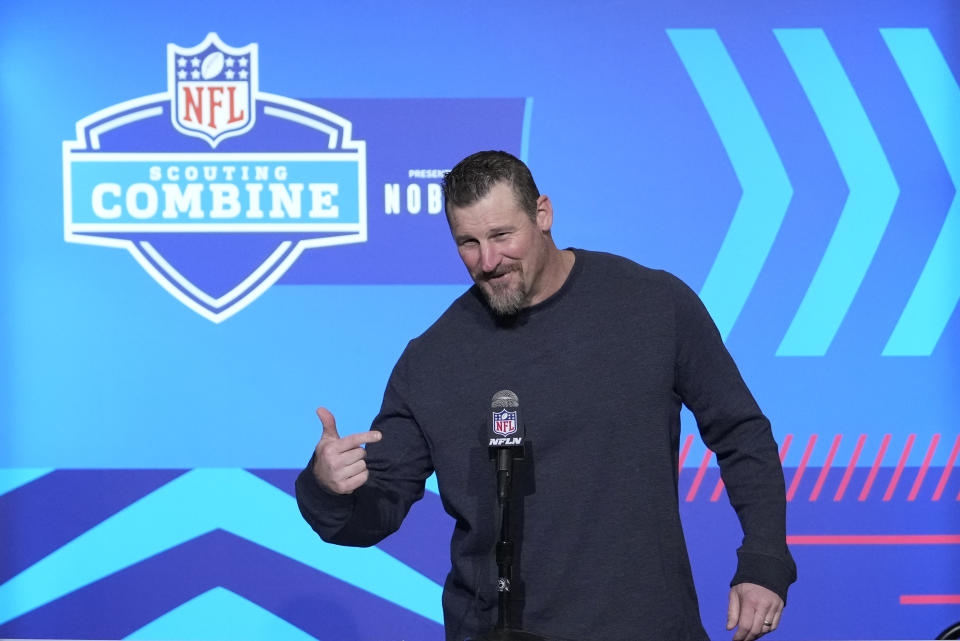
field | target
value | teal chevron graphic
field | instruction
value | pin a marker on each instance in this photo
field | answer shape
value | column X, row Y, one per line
column 431, row 484
column 220, row 615
column 938, row 96
column 198, row 502
column 869, row 205
column 766, row 188
column 525, row 131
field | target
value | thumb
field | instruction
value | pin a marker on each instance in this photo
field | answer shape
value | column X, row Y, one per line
column 329, row 423
column 733, row 610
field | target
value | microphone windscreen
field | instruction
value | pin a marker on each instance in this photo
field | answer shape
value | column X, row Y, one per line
column 504, row 398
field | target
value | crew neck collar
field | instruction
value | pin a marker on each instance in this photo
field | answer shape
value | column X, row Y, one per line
column 579, row 257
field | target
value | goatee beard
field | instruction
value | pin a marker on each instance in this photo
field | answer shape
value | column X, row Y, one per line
column 506, row 303
column 504, row 300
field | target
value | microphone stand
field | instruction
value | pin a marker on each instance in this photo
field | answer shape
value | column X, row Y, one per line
column 503, row 631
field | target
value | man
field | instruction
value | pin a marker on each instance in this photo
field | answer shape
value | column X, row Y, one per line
column 601, row 352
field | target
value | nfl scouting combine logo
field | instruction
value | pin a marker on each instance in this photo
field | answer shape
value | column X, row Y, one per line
column 214, row 187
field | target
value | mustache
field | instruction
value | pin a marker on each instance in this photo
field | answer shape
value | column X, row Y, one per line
column 499, row 272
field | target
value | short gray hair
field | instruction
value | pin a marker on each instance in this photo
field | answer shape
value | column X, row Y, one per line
column 475, row 175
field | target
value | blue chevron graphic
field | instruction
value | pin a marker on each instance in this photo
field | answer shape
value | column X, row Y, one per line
column 313, row 601
column 873, row 192
column 80, row 499
column 12, row 478
column 937, row 94
column 766, row 189
column 220, row 615
column 198, row 502
column 420, row 543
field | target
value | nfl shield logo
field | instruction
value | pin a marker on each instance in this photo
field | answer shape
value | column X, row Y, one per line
column 504, row 422
column 212, row 89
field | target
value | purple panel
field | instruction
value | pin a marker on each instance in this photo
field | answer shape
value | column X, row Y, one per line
column 402, row 135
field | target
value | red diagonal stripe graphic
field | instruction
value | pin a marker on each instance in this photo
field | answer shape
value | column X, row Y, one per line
column 897, row 472
column 699, row 477
column 923, row 468
column 717, row 490
column 685, row 451
column 826, row 468
column 850, row 467
column 946, row 470
column 865, row 492
column 803, row 466
column 786, row 446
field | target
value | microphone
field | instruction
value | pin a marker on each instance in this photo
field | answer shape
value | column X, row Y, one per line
column 506, row 438
column 506, row 443
column 506, row 430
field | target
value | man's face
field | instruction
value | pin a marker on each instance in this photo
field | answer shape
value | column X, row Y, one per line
column 502, row 248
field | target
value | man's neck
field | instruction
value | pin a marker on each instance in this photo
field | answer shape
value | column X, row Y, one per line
column 558, row 267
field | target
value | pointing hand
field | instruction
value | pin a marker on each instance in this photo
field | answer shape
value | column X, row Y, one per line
column 338, row 463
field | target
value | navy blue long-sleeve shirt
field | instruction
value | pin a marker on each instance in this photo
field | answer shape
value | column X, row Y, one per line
column 601, row 369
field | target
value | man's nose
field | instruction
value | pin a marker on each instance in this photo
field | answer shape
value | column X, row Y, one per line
column 489, row 257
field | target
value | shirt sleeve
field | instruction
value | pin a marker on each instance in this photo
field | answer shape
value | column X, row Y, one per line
column 398, row 466
column 733, row 427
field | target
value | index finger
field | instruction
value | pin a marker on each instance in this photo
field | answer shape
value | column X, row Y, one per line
column 356, row 440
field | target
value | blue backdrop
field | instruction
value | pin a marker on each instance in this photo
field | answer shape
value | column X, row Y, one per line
column 169, row 324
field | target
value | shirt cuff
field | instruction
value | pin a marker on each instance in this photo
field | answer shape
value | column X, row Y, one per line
column 771, row 572
column 325, row 511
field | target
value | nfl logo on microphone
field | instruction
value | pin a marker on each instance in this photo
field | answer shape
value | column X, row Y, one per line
column 504, row 422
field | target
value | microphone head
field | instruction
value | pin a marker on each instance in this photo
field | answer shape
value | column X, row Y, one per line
column 504, row 398
column 506, row 430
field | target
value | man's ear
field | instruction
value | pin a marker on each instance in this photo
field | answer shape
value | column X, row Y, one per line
column 544, row 213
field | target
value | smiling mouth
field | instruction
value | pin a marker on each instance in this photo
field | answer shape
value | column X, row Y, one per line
column 500, row 276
